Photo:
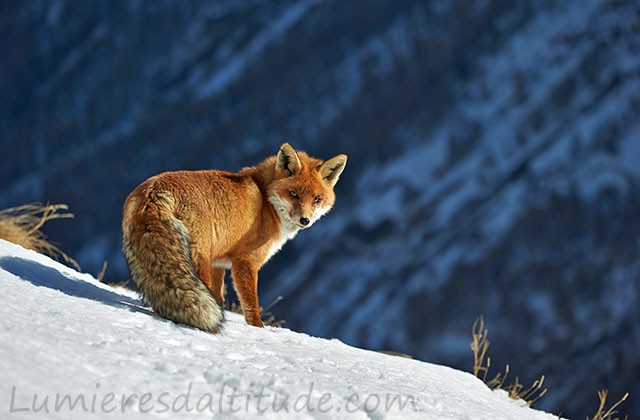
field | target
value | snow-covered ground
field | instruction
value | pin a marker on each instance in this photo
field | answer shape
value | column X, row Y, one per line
column 72, row 347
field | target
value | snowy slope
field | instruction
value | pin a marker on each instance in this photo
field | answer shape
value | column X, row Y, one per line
column 65, row 334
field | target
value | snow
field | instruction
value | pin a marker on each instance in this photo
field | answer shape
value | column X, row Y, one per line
column 75, row 348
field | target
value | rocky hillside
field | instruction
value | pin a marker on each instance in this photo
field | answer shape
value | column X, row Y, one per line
column 493, row 167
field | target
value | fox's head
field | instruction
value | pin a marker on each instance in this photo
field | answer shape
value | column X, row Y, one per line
column 302, row 189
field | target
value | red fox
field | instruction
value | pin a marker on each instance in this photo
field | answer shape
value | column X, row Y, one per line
column 182, row 229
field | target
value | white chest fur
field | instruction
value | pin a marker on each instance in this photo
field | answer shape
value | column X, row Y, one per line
column 288, row 229
column 287, row 232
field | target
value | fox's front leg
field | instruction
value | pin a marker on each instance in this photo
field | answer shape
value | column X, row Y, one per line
column 245, row 280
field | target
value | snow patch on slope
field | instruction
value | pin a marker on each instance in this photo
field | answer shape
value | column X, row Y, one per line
column 65, row 335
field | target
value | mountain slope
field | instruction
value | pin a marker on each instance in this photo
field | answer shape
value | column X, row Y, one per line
column 65, row 334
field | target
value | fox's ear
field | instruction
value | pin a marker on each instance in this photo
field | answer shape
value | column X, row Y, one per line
column 287, row 161
column 331, row 169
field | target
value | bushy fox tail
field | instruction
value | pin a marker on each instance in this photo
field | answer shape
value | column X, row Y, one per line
column 157, row 252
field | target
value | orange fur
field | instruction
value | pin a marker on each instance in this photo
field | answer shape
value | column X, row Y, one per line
column 182, row 229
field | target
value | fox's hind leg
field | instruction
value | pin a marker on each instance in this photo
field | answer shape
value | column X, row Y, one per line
column 212, row 277
column 202, row 268
column 217, row 284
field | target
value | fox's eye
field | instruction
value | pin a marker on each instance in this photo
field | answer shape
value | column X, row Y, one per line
column 293, row 194
column 316, row 199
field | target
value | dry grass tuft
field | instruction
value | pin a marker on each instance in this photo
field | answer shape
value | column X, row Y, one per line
column 21, row 225
column 530, row 394
column 103, row 271
column 479, row 347
column 482, row 363
column 609, row 414
column 265, row 313
column 518, row 391
column 101, row 277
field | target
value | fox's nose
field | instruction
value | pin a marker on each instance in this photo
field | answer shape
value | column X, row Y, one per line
column 304, row 221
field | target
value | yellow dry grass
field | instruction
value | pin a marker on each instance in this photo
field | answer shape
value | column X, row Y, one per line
column 516, row 390
column 21, row 225
column 611, row 413
column 481, row 364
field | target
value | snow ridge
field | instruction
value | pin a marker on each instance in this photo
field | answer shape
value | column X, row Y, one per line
column 75, row 348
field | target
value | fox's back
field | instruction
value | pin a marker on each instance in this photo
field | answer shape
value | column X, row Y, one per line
column 214, row 206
